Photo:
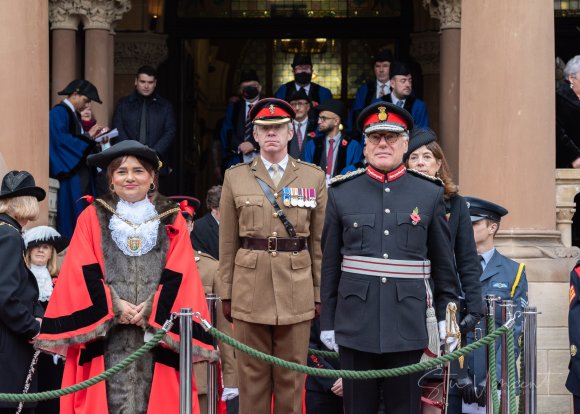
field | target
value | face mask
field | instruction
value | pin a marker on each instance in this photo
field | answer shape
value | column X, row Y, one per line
column 250, row 92
column 302, row 78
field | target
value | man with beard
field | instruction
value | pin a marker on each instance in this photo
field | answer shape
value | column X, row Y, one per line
column 402, row 94
column 238, row 144
column 332, row 150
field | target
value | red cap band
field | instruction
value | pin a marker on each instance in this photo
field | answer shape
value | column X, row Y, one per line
column 391, row 118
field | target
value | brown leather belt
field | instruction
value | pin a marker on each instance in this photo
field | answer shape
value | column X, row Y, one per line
column 275, row 244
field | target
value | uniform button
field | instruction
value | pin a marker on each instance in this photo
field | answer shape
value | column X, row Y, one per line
column 247, row 202
column 275, row 215
column 274, row 234
column 275, row 195
column 274, row 254
column 355, row 224
column 387, row 190
column 384, row 279
column 387, row 211
column 386, row 232
column 385, row 256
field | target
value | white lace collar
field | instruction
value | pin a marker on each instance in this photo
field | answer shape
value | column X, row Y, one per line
column 132, row 229
column 44, row 281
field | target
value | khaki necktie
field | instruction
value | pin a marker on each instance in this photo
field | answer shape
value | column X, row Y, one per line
column 276, row 174
column 382, row 91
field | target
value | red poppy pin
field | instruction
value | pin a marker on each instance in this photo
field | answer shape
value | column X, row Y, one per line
column 415, row 218
column 344, row 142
column 314, row 104
column 312, row 134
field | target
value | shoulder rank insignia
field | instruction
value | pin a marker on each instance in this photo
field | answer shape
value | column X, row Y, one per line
column 317, row 167
column 344, row 177
column 435, row 180
column 237, row 165
column 573, row 350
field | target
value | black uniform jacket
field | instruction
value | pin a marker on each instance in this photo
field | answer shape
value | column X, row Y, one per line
column 573, row 380
column 205, row 236
column 466, row 259
column 369, row 217
column 18, row 308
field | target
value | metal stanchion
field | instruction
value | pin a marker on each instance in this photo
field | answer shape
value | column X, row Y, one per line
column 507, row 312
column 185, row 367
column 490, row 388
column 530, row 353
column 212, row 366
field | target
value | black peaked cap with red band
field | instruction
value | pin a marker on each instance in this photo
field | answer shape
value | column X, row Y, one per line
column 384, row 116
column 271, row 111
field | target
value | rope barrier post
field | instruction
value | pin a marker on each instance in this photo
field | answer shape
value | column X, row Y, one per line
column 212, row 393
column 491, row 382
column 185, row 367
column 507, row 307
column 529, row 387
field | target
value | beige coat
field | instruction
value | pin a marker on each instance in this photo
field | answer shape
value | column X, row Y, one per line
column 207, row 267
column 267, row 288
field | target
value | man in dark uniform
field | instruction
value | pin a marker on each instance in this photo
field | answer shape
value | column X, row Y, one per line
column 238, row 144
column 334, row 151
column 501, row 277
column 387, row 258
column 573, row 380
column 205, row 235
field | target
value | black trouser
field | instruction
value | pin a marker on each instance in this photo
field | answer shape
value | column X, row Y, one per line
column 576, row 402
column 323, row 403
column 401, row 395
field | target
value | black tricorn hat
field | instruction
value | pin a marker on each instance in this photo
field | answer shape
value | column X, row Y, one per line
column 335, row 106
column 82, row 87
column 302, row 59
column 45, row 235
column 249, row 75
column 383, row 56
column 298, row 95
column 418, row 138
column 124, row 148
column 20, row 183
column 189, row 205
column 399, row 68
column 480, row 209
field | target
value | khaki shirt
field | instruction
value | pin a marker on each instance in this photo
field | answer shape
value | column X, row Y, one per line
column 207, row 267
column 267, row 288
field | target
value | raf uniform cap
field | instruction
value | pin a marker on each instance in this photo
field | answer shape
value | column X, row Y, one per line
column 82, row 87
column 45, row 235
column 399, row 68
column 480, row 209
column 188, row 205
column 418, row 138
column 301, row 59
column 384, row 116
column 18, row 184
column 248, row 75
column 271, row 111
column 299, row 95
column 333, row 105
column 124, row 148
column 383, row 56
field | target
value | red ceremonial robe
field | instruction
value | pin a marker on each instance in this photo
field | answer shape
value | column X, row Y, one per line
column 80, row 312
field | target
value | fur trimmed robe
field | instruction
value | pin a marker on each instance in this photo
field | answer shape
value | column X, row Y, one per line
column 81, row 320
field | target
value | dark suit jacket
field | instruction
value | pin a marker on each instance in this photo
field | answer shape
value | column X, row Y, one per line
column 293, row 150
column 205, row 236
column 232, row 133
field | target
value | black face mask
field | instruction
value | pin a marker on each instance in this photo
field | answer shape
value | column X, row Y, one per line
column 303, row 78
column 250, row 92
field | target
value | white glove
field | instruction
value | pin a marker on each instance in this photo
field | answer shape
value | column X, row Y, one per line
column 451, row 341
column 327, row 338
column 230, row 394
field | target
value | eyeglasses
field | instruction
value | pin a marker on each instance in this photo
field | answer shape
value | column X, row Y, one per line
column 298, row 104
column 376, row 139
column 325, row 118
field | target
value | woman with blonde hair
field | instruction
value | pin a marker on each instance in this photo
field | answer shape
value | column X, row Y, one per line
column 20, row 313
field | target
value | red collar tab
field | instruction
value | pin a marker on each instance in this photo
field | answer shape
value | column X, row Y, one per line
column 390, row 176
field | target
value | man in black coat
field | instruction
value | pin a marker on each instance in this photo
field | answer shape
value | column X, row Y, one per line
column 386, row 261
column 304, row 127
column 205, row 234
column 145, row 116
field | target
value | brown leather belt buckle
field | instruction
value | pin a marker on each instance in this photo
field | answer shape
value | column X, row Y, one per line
column 272, row 244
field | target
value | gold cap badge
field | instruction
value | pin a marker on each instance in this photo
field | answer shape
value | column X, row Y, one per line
column 382, row 113
column 573, row 350
column 272, row 109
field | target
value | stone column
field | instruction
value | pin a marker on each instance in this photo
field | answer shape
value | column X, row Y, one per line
column 25, row 97
column 98, row 16
column 507, row 154
column 111, row 70
column 63, row 27
column 448, row 12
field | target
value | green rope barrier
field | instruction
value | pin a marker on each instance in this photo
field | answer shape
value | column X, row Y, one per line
column 49, row 395
column 358, row 375
column 321, row 353
column 491, row 365
column 522, row 376
column 511, row 360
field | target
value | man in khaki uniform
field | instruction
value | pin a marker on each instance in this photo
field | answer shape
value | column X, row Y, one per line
column 270, row 271
column 208, row 267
